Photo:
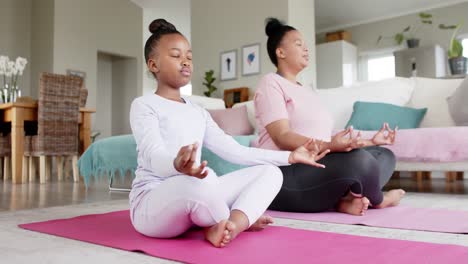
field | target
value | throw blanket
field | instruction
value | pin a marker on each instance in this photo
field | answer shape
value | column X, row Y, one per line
column 432, row 144
column 107, row 156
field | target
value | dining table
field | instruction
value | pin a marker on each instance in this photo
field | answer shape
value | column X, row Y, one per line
column 17, row 113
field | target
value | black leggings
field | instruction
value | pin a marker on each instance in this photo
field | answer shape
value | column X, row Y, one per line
column 309, row 189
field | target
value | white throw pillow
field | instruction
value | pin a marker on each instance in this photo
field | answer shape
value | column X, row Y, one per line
column 433, row 94
column 340, row 100
column 458, row 104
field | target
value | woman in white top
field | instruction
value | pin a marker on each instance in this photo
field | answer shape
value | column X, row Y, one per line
column 173, row 190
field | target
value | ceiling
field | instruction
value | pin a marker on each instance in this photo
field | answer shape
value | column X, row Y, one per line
column 336, row 14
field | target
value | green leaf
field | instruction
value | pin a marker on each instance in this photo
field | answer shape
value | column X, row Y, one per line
column 456, row 49
column 443, row 26
column 399, row 38
column 423, row 15
column 427, row 22
column 379, row 39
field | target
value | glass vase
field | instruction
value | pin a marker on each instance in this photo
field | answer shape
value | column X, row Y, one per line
column 15, row 92
column 9, row 94
column 5, row 94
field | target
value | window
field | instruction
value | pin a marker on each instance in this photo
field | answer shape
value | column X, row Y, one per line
column 465, row 47
column 382, row 67
column 377, row 65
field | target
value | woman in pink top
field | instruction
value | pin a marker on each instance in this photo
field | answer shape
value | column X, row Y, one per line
column 289, row 114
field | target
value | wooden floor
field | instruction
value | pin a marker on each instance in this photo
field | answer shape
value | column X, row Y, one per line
column 34, row 195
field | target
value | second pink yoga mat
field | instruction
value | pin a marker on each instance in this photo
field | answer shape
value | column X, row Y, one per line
column 399, row 217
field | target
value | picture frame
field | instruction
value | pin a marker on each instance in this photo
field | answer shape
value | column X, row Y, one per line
column 251, row 59
column 77, row 73
column 228, row 65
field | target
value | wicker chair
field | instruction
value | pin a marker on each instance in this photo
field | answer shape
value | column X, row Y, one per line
column 57, row 132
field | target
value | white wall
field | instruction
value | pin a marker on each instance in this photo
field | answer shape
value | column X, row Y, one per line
column 301, row 15
column 15, row 35
column 104, row 93
column 222, row 25
column 42, row 39
column 122, row 78
column 176, row 12
column 84, row 28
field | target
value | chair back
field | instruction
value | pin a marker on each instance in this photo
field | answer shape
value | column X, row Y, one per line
column 58, row 115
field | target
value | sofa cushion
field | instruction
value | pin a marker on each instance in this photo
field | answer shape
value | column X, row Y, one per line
column 432, row 94
column 234, row 121
column 250, row 113
column 340, row 101
column 458, row 104
column 371, row 116
column 221, row 166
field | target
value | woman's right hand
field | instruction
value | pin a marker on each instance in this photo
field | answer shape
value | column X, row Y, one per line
column 185, row 162
column 341, row 143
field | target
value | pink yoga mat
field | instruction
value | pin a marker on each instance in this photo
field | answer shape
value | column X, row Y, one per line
column 273, row 245
column 399, row 217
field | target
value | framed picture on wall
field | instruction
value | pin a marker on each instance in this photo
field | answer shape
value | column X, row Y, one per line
column 80, row 74
column 251, row 59
column 228, row 65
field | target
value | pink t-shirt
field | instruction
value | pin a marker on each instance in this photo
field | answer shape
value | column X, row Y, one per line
column 277, row 98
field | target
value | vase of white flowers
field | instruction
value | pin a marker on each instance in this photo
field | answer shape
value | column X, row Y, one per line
column 10, row 71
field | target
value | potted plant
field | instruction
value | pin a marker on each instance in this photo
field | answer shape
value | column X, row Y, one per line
column 209, row 79
column 455, row 51
column 409, row 33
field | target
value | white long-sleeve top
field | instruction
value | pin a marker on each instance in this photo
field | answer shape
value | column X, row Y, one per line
column 161, row 127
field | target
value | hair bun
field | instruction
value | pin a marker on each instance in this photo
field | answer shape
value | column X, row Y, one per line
column 272, row 26
column 161, row 24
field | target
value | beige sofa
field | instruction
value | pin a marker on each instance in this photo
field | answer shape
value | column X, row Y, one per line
column 412, row 92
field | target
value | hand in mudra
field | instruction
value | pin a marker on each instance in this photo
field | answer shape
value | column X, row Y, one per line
column 185, row 162
column 309, row 153
column 343, row 143
column 385, row 136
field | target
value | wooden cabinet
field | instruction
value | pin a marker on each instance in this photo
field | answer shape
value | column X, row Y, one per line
column 235, row 95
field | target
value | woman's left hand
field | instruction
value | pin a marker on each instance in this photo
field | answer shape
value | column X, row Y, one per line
column 309, row 153
column 385, row 136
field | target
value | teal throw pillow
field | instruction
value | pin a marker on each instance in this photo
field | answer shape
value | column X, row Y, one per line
column 221, row 166
column 371, row 116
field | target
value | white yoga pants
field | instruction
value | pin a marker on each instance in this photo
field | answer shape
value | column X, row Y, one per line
column 180, row 202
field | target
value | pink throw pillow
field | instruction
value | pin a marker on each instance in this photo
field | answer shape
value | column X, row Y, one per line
column 234, row 121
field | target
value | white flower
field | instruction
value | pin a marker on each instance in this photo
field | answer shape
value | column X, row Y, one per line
column 20, row 65
column 9, row 68
column 3, row 64
column 14, row 70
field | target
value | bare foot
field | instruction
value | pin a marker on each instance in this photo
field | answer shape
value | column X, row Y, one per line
column 220, row 234
column 261, row 223
column 391, row 198
column 353, row 205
